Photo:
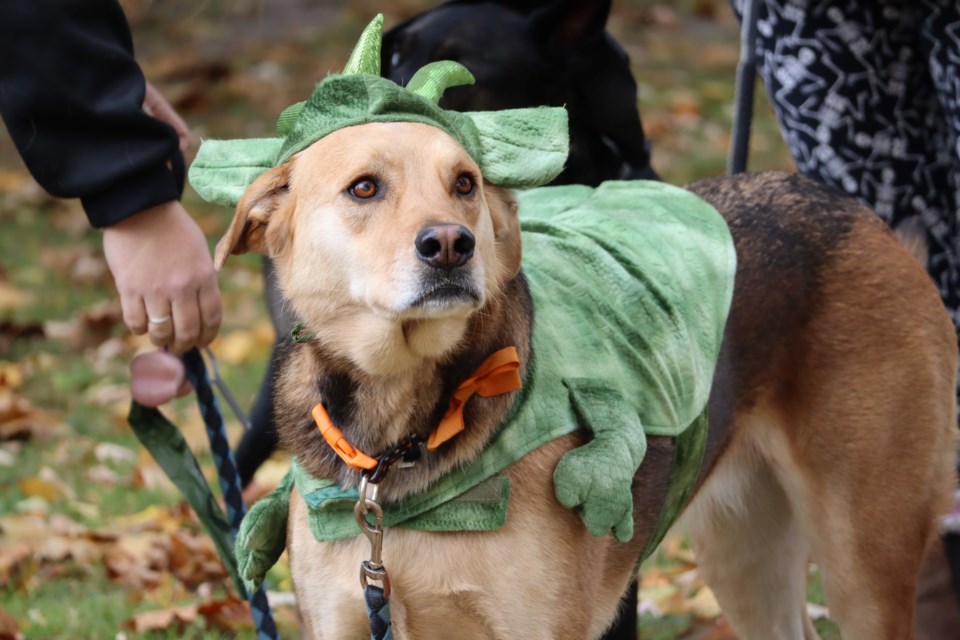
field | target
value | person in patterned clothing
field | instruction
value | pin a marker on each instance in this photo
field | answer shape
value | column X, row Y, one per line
column 867, row 96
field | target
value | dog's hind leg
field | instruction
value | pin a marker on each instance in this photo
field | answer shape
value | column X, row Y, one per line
column 750, row 549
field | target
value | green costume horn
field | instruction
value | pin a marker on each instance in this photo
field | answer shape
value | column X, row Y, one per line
column 514, row 147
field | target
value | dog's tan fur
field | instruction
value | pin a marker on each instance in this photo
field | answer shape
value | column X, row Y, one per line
column 832, row 421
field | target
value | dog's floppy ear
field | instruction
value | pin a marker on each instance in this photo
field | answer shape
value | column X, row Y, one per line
column 568, row 23
column 247, row 231
column 506, row 228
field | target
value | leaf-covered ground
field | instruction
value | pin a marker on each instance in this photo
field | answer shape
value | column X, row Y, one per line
column 94, row 541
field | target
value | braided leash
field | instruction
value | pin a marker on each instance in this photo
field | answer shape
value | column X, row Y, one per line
column 165, row 443
column 743, row 101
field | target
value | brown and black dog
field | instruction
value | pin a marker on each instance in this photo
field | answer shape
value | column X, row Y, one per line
column 832, row 410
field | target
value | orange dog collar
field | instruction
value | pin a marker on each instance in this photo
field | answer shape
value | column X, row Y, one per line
column 500, row 373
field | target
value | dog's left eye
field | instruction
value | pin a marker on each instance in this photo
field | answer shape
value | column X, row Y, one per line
column 363, row 188
column 464, row 185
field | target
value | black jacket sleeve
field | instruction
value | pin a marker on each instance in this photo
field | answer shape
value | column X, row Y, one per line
column 71, row 95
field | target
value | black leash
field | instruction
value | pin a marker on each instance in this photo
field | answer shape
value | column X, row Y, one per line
column 166, row 444
column 743, row 101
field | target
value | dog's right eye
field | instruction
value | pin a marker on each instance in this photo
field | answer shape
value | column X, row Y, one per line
column 364, row 188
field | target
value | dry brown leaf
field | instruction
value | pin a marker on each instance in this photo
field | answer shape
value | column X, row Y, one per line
column 110, row 452
column 230, row 614
column 686, row 104
column 88, row 327
column 138, row 559
column 169, row 619
column 20, row 420
column 39, row 488
column 11, row 374
column 62, row 548
column 194, row 559
column 237, row 347
column 11, row 330
column 128, row 570
column 9, row 629
column 13, row 406
column 15, row 562
column 12, row 181
column 102, row 475
column 12, row 298
column 721, row 630
column 704, row 605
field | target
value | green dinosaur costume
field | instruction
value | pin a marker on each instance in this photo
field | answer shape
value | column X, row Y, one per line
column 631, row 284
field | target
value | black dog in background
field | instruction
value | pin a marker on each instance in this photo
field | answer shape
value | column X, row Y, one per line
column 522, row 53
column 530, row 53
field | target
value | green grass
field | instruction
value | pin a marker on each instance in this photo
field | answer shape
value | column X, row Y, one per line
column 86, row 606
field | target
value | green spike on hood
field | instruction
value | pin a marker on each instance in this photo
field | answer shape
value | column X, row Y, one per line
column 365, row 57
column 513, row 147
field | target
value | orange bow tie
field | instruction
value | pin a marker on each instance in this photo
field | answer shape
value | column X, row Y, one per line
column 500, row 373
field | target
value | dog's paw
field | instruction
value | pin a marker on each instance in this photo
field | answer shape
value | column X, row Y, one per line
column 595, row 479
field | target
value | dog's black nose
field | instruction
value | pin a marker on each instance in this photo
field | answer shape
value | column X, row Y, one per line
column 445, row 246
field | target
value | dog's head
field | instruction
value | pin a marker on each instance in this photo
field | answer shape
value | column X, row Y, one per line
column 375, row 206
column 386, row 239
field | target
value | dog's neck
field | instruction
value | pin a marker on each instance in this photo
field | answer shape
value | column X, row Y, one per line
column 375, row 412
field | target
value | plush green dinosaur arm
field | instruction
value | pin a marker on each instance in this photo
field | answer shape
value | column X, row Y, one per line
column 263, row 535
column 595, row 479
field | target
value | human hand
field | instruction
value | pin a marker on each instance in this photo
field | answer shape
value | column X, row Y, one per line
column 164, row 273
column 155, row 105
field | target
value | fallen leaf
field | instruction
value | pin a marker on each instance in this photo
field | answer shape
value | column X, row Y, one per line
column 229, row 614
column 39, row 488
column 110, row 452
column 721, row 630
column 101, row 475
column 237, row 347
column 704, row 605
column 134, row 569
column 20, row 420
column 11, row 374
column 62, row 548
column 11, row 298
column 194, row 559
column 9, row 629
column 176, row 619
column 88, row 327
column 10, row 331
column 13, row 406
column 14, row 562
column 49, row 475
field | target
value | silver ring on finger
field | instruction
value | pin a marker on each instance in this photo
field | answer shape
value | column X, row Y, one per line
column 158, row 321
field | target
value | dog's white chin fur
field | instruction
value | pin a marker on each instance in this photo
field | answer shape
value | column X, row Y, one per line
column 381, row 345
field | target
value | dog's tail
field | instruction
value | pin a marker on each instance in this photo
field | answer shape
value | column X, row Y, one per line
column 913, row 236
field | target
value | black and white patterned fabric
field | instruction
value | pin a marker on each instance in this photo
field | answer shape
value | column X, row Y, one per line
column 868, row 99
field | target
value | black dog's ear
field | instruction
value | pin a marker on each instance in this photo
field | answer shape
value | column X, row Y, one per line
column 568, row 23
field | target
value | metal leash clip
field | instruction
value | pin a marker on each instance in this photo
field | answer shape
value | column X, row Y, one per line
column 373, row 568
